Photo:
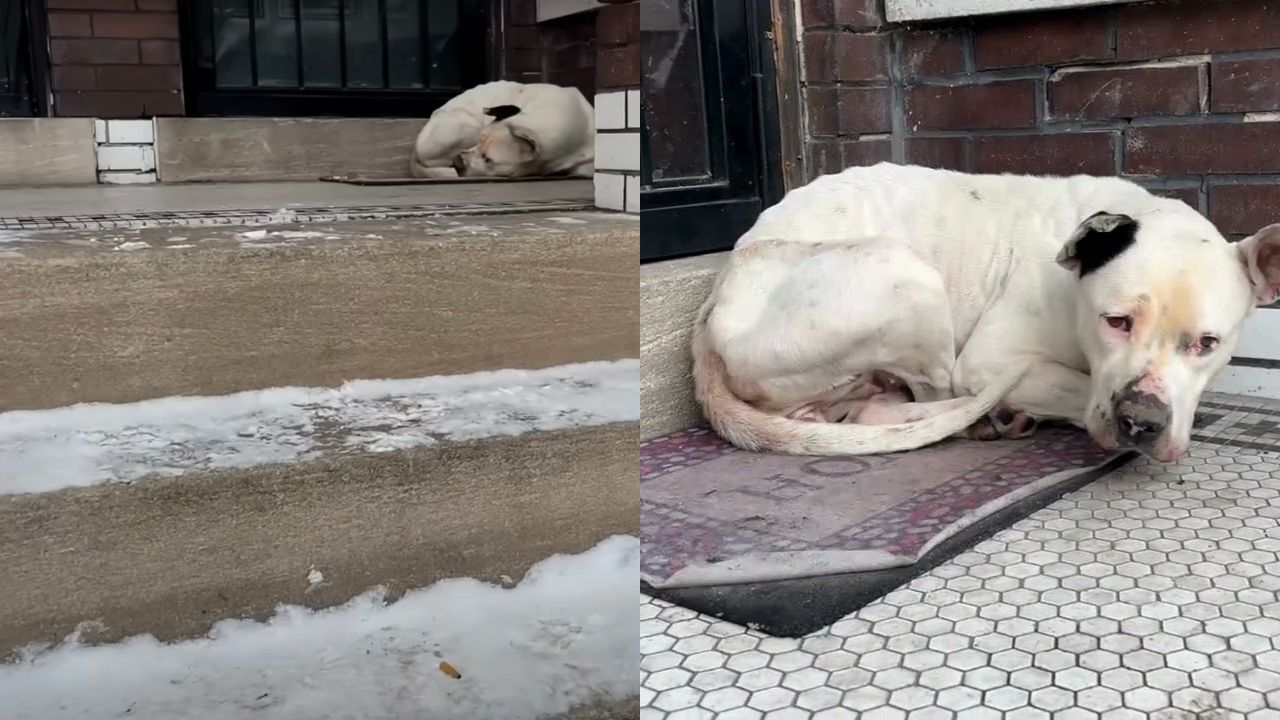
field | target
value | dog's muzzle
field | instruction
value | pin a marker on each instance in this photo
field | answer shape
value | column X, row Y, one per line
column 1141, row 418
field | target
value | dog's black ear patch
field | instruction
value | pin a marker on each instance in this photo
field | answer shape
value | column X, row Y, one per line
column 1099, row 240
column 501, row 112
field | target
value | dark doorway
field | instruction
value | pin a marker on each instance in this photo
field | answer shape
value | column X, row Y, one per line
column 706, row 137
column 22, row 62
column 332, row 57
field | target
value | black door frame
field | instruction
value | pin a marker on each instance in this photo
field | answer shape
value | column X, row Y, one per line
column 738, row 62
column 205, row 99
column 35, row 24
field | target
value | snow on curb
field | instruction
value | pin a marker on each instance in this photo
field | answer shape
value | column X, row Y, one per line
column 565, row 636
column 46, row 450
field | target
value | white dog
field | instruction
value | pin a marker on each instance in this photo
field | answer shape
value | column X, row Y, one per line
column 885, row 308
column 508, row 129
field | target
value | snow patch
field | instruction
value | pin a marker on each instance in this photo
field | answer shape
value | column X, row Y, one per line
column 566, row 635
column 88, row 444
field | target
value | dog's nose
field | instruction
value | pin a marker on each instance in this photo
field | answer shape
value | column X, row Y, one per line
column 1141, row 418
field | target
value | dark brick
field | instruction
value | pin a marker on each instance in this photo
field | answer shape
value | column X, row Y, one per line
column 824, row 111
column 948, row 153
column 90, row 4
column 863, row 110
column 63, row 24
column 1059, row 154
column 818, row 65
column 618, row 24
column 932, row 53
column 159, row 5
column 139, row 77
column 1243, row 209
column 1047, row 38
column 861, row 14
column 522, row 61
column 583, row 78
column 1244, row 85
column 618, row 67
column 860, row 56
column 825, row 157
column 816, row 13
column 93, row 52
column 1202, row 26
column 102, row 104
column 160, row 52
column 573, row 30
column 1190, row 196
column 522, row 12
column 523, row 38
column 578, row 55
column 866, row 152
column 1203, row 149
column 74, row 77
column 1007, row 104
column 151, row 26
column 1133, row 92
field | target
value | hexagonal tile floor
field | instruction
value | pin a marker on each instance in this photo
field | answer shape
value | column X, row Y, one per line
column 1151, row 593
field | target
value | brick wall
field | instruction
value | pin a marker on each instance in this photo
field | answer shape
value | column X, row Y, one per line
column 1181, row 95
column 560, row 51
column 617, row 180
column 115, row 58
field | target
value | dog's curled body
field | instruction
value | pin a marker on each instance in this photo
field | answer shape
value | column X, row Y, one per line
column 888, row 307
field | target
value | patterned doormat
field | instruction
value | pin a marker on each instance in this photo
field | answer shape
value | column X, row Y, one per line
column 788, row 544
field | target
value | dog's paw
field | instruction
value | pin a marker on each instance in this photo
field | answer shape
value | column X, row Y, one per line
column 1013, row 424
column 984, row 430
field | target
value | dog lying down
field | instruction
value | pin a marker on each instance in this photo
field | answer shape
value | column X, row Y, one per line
column 885, row 308
column 508, row 129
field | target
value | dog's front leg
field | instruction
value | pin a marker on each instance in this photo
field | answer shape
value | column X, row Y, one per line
column 1049, row 391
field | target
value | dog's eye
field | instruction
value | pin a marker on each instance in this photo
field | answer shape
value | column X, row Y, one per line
column 1208, row 343
column 1123, row 323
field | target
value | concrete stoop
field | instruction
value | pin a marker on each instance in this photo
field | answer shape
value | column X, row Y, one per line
column 129, row 316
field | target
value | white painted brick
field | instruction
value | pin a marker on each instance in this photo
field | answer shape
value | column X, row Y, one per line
column 633, row 193
column 611, row 111
column 611, row 191
column 100, row 131
column 130, row 132
column 633, row 108
column 121, row 157
column 127, row 178
column 618, row 151
column 148, row 157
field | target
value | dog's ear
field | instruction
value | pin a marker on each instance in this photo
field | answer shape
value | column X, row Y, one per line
column 1260, row 253
column 1097, row 241
column 501, row 112
column 528, row 146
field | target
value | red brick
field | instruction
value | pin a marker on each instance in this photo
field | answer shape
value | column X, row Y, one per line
column 1244, row 85
column 618, row 67
column 824, row 111
column 93, row 52
column 825, row 157
column 574, row 29
column 1190, row 196
column 1046, row 38
column 152, row 26
column 160, row 52
column 1060, row 154
column 866, row 152
column 861, row 14
column 1201, row 26
column 860, row 56
column 816, row 13
column 521, row 61
column 582, row 78
column 74, row 77
column 1007, row 104
column 932, row 53
column 948, row 153
column 818, row 65
column 1200, row 149
column 117, row 104
column 579, row 55
column 90, row 4
column 524, row 38
column 863, row 110
column 618, row 24
column 161, row 5
column 1243, row 209
column 1133, row 92
column 522, row 12
column 139, row 77
column 63, row 24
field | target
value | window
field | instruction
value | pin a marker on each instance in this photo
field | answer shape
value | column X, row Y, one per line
column 905, row 10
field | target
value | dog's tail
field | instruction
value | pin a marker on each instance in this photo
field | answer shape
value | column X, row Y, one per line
column 753, row 429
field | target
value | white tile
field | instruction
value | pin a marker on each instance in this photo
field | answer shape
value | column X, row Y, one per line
column 611, row 110
column 618, row 151
column 127, row 178
column 610, row 192
column 100, row 131
column 633, row 108
column 633, row 193
column 130, row 132
column 122, row 157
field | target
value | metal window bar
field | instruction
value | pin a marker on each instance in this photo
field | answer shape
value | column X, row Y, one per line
column 342, row 43
column 297, row 40
column 386, row 46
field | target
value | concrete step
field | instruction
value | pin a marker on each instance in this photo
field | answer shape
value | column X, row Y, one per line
column 123, row 315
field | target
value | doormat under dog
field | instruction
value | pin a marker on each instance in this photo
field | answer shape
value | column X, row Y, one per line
column 790, row 544
column 378, row 181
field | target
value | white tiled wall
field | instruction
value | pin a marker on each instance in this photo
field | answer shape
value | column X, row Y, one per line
column 617, row 178
column 126, row 151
